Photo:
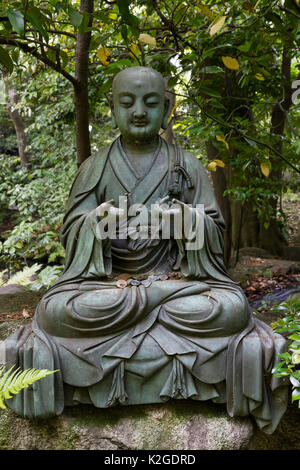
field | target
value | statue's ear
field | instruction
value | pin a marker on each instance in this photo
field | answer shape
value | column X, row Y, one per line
column 164, row 124
column 113, row 119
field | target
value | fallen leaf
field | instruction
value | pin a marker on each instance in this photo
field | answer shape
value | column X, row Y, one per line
column 25, row 314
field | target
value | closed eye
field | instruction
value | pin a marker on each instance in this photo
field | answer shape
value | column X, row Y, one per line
column 126, row 103
column 152, row 103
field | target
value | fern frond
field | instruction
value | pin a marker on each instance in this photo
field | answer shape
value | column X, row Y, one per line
column 12, row 382
column 23, row 277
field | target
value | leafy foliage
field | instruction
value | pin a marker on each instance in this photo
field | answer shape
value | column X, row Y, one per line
column 289, row 324
column 230, row 64
column 40, row 197
column 46, row 278
column 24, row 277
column 13, row 381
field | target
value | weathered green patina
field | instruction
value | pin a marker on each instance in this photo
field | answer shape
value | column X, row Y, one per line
column 187, row 330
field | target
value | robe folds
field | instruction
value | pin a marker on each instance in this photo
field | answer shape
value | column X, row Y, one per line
column 188, row 337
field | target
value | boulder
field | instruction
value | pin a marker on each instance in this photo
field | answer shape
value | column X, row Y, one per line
column 171, row 426
column 15, row 298
column 176, row 425
column 249, row 267
column 291, row 253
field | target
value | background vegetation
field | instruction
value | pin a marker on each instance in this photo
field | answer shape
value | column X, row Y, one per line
column 232, row 72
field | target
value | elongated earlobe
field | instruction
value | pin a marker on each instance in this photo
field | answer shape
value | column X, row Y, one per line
column 113, row 121
column 165, row 123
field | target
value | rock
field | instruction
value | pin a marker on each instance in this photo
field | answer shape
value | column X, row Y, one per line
column 173, row 426
column 291, row 253
column 254, row 252
column 285, row 437
column 248, row 267
column 180, row 425
column 12, row 289
column 14, row 298
column 8, row 328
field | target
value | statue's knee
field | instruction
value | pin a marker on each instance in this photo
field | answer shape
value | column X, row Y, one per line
column 52, row 314
column 235, row 312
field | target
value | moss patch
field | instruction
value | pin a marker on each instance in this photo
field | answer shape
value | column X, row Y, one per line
column 5, row 429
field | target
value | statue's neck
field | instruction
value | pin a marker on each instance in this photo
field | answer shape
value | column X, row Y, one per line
column 140, row 149
column 141, row 154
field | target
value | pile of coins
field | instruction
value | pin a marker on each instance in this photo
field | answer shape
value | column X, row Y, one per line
column 126, row 280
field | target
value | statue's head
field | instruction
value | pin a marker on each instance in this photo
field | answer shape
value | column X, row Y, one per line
column 140, row 107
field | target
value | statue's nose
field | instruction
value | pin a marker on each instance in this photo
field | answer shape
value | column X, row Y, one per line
column 139, row 110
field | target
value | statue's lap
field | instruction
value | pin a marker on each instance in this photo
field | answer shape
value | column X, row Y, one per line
column 177, row 304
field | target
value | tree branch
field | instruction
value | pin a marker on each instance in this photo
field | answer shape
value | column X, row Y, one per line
column 223, row 123
column 45, row 59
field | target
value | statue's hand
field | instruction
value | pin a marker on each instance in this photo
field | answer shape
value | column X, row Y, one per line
column 109, row 209
column 175, row 212
column 175, row 207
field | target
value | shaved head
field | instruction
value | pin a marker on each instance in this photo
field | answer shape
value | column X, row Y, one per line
column 145, row 74
column 139, row 104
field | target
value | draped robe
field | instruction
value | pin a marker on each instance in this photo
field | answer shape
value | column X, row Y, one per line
column 193, row 337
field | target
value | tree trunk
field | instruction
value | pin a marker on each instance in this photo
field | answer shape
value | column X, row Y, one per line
column 219, row 179
column 18, row 122
column 272, row 236
column 81, row 87
column 243, row 226
column 168, row 134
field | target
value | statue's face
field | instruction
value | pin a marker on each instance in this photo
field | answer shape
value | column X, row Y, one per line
column 139, row 105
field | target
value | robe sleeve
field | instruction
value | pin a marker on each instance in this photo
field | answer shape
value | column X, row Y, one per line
column 87, row 257
column 207, row 262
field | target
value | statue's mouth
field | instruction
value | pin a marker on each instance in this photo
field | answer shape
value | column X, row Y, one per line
column 141, row 123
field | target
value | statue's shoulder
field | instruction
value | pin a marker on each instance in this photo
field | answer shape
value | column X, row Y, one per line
column 92, row 163
column 192, row 162
column 96, row 156
column 89, row 172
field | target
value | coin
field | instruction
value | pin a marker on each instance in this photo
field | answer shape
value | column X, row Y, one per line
column 146, row 282
column 140, row 277
column 163, row 277
column 174, row 275
column 134, row 282
column 121, row 284
column 124, row 276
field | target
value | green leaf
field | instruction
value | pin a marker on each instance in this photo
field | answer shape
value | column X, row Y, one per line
column 245, row 47
column 172, row 82
column 296, row 394
column 75, row 17
column 6, row 60
column 250, row 142
column 84, row 26
column 212, row 69
column 295, row 337
column 209, row 91
column 105, row 87
column 124, row 33
column 17, row 21
column 36, row 19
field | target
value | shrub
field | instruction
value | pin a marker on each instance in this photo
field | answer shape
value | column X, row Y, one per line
column 290, row 360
